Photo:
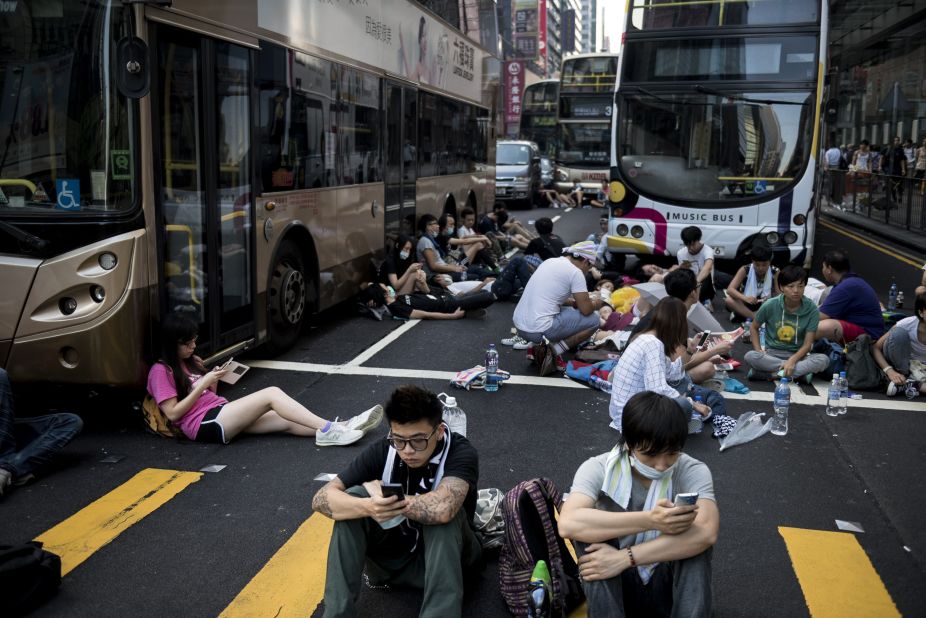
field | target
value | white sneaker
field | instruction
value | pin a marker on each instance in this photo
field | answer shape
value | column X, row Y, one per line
column 337, row 435
column 365, row 421
column 517, row 342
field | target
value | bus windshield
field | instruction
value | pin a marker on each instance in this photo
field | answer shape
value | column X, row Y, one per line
column 584, row 143
column 65, row 132
column 711, row 148
column 668, row 14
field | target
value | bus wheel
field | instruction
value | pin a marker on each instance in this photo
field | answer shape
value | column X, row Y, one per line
column 287, row 297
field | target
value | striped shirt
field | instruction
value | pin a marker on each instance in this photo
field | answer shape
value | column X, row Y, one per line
column 643, row 366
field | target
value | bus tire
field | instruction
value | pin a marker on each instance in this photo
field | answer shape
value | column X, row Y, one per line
column 288, row 297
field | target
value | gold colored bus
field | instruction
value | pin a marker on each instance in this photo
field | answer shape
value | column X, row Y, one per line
column 244, row 162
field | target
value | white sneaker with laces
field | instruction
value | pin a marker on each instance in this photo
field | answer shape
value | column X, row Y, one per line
column 365, row 421
column 892, row 389
column 337, row 435
column 517, row 342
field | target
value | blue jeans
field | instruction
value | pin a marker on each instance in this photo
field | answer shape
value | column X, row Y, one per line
column 27, row 444
column 515, row 276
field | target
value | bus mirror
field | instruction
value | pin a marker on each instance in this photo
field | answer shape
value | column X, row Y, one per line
column 133, row 79
column 832, row 112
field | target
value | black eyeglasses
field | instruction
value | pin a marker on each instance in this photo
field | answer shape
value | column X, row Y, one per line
column 417, row 444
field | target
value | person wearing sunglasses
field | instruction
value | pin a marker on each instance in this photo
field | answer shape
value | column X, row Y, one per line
column 403, row 511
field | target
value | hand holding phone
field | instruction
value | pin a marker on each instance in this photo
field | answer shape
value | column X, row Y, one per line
column 703, row 339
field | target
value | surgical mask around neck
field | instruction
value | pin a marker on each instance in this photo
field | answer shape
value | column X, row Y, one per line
column 404, row 255
column 651, row 473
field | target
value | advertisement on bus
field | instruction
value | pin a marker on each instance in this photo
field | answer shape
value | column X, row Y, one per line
column 388, row 34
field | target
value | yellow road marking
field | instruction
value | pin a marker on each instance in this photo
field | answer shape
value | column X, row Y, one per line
column 868, row 243
column 76, row 538
column 292, row 583
column 836, row 575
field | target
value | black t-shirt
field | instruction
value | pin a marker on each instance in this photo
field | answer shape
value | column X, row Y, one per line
column 894, row 159
column 546, row 246
column 462, row 463
column 487, row 226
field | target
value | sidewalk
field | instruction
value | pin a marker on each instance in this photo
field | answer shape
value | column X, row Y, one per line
column 914, row 241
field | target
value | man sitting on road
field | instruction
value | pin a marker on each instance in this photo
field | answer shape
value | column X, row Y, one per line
column 901, row 353
column 640, row 554
column 540, row 316
column 753, row 284
column 424, row 540
column 851, row 308
column 683, row 285
column 547, row 244
column 28, row 444
column 492, row 225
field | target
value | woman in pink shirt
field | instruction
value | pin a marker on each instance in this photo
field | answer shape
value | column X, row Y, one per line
column 193, row 404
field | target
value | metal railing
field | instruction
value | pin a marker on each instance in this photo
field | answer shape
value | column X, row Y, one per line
column 894, row 200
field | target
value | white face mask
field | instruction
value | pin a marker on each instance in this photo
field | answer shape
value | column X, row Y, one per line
column 651, row 473
column 403, row 255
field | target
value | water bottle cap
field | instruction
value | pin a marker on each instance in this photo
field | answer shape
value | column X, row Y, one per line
column 784, row 380
column 842, row 374
column 491, row 346
column 450, row 402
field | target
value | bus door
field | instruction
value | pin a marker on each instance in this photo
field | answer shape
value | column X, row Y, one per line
column 401, row 159
column 202, row 134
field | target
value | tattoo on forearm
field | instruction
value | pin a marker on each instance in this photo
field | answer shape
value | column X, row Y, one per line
column 320, row 502
column 441, row 505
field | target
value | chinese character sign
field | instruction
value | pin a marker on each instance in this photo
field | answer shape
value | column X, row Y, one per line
column 524, row 32
column 514, row 86
column 542, row 36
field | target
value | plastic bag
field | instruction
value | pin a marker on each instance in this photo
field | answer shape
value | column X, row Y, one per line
column 749, row 426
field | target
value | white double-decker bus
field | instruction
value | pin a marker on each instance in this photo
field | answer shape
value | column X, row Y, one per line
column 718, row 108
column 243, row 162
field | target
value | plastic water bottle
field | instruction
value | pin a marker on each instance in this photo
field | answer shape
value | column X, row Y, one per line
column 491, row 369
column 892, row 297
column 454, row 416
column 843, row 393
column 540, row 592
column 833, row 396
column 696, row 422
column 782, row 403
column 900, row 299
column 747, row 330
column 762, row 336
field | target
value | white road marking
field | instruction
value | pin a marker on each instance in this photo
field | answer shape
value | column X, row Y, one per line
column 556, row 218
column 382, row 343
column 355, row 370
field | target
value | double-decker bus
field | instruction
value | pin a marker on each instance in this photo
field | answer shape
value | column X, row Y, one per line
column 538, row 115
column 718, row 105
column 586, row 96
column 242, row 162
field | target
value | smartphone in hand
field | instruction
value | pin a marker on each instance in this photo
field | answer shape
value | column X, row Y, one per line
column 688, row 499
column 703, row 339
column 393, row 489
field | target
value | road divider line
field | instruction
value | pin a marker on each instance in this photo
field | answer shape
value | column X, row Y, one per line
column 401, row 373
column 894, row 254
column 524, row 380
column 292, row 582
column 382, row 343
column 835, row 574
column 96, row 525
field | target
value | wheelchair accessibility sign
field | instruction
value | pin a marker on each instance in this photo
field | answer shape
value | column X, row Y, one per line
column 68, row 191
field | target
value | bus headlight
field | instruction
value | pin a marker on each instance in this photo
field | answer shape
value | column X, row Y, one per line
column 97, row 293
column 67, row 305
column 790, row 237
column 636, row 231
column 622, row 229
column 772, row 238
column 799, row 220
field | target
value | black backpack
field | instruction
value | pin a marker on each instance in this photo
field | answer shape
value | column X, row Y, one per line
column 862, row 372
column 29, row 576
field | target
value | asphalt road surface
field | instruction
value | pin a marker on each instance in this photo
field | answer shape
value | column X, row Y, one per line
column 244, row 540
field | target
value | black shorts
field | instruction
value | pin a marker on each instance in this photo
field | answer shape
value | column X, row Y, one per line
column 209, row 428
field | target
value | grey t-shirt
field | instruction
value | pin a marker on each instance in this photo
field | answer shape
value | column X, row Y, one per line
column 690, row 475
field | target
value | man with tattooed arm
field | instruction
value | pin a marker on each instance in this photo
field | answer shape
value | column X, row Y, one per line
column 422, row 539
